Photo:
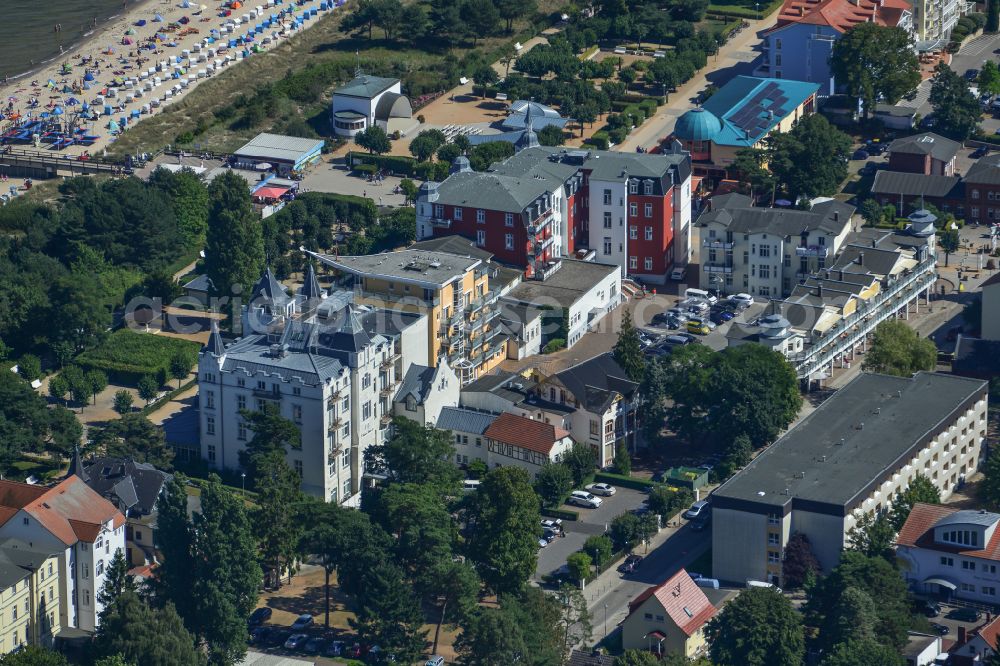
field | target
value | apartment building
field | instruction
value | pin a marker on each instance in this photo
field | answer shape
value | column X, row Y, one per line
column 934, row 19
column 326, row 363
column 425, row 391
column 848, row 458
column 451, row 291
column 767, row 251
column 631, row 209
column 75, row 529
column 799, row 45
column 951, row 552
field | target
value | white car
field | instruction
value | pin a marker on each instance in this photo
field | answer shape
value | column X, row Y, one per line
column 584, row 499
column 605, row 489
column 554, row 525
column 678, row 274
column 745, row 299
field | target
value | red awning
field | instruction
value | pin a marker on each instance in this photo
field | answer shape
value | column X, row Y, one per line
column 270, row 192
column 658, row 635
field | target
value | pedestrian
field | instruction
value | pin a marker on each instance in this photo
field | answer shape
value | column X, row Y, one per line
column 365, row 194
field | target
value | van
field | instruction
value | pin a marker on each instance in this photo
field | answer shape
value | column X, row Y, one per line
column 691, row 292
column 712, row 583
column 470, row 484
column 760, row 583
column 698, row 326
column 436, row 660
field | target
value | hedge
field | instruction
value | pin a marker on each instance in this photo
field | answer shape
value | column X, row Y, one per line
column 599, row 140
column 561, row 513
column 167, row 397
column 126, row 356
column 625, row 481
column 397, row 164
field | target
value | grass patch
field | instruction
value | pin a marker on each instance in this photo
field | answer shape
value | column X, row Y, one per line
column 126, row 356
column 41, row 469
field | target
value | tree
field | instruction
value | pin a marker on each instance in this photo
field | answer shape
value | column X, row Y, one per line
column 123, row 401
column 899, row 350
column 275, row 526
column 234, row 244
column 117, row 582
column 758, row 628
column 811, row 159
column 65, row 431
column 76, row 380
column 416, row 454
column 388, row 613
column 949, row 241
column 189, row 198
column 799, row 565
column 574, row 619
column 625, row 531
column 581, row 460
column 507, row 56
column 989, row 78
column 58, row 387
column 32, row 655
column 862, row 653
column 552, row 482
column 113, row 660
column 637, row 658
column 134, row 436
column 29, row 367
column 852, row 618
column 423, row 147
column 921, row 489
column 98, row 381
column 505, row 521
column 492, row 637
column 579, row 566
column 665, row 502
column 992, row 15
column 513, row 9
column 989, row 489
column 374, row 140
column 585, row 113
column 598, row 547
column 144, row 635
column 148, row 388
column 481, row 18
column 751, row 165
column 180, row 368
column 456, row 592
column 873, row 535
column 485, row 75
column 622, row 462
column 551, row 135
column 875, row 63
column 957, row 110
column 737, row 456
column 628, row 350
column 272, row 434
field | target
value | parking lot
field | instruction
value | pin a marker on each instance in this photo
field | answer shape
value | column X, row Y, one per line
column 716, row 339
column 952, row 624
column 592, row 522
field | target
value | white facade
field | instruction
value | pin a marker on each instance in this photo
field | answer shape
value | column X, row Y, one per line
column 423, row 404
column 608, row 204
column 591, row 307
column 364, row 107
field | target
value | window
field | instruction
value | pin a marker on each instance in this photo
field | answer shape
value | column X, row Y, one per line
column 480, row 215
column 480, row 238
column 27, row 521
column 968, row 587
column 86, row 597
column 241, row 382
column 633, row 187
column 647, row 263
column 99, row 569
column 607, row 246
column 347, row 488
column 765, row 250
column 458, row 213
column 241, row 402
column 345, row 458
column 633, row 263
column 777, row 60
column 298, row 467
column 508, row 219
column 210, row 399
column 992, row 591
column 607, row 220
column 969, row 566
column 595, row 427
column 773, row 557
column 366, row 380
column 975, row 194
column 765, row 272
column 50, row 568
column 13, row 616
column 648, row 616
column 773, row 519
column 633, row 232
column 297, row 413
column 947, row 562
column 777, row 44
column 210, row 425
column 647, row 210
column 86, row 571
column 508, row 241
column 607, row 197
column 211, row 453
column 633, row 209
column 366, row 410
column 821, row 240
column 647, row 187
column 773, row 539
column 649, row 233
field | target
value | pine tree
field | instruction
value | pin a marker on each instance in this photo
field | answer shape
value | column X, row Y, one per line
column 628, row 349
column 389, row 615
column 144, row 635
column 116, row 583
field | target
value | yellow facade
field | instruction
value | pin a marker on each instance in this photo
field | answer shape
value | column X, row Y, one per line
column 29, row 608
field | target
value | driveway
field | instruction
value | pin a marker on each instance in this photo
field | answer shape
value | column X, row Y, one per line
column 592, row 522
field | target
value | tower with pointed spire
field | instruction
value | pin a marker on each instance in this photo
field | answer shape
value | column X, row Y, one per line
column 529, row 139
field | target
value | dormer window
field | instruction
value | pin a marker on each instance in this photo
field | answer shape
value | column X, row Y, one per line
column 961, row 537
column 633, row 187
column 647, row 187
column 411, row 403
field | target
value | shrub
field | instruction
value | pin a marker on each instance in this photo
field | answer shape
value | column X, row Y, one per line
column 625, row 481
column 599, row 140
column 617, row 135
column 29, row 367
column 554, row 345
column 978, row 19
column 648, row 107
column 367, row 169
column 396, row 164
column 561, row 513
column 128, row 356
column 421, row 119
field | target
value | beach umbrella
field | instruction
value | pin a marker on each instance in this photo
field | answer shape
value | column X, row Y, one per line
column 72, row 101
column 186, row 4
column 127, row 41
column 130, row 31
column 67, row 89
column 86, row 85
column 158, row 19
column 44, row 114
column 89, row 76
column 85, row 107
column 141, row 22
column 58, row 111
column 113, row 126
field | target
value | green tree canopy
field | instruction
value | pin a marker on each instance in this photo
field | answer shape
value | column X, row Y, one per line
column 799, row 564
column 628, row 350
column 552, row 482
column 811, row 159
column 374, row 140
column 144, row 635
column 957, row 110
column 758, row 628
column 581, row 460
column 876, row 63
column 388, row 613
column 234, row 244
column 898, row 350
column 273, row 434
column 32, row 655
column 989, row 78
column 134, row 436
column 416, row 454
column 921, row 489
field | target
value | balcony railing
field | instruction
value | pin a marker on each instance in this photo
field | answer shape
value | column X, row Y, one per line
column 546, row 271
column 544, row 243
column 716, row 243
column 440, row 222
column 812, row 251
column 335, row 423
column 541, row 221
column 267, row 394
column 389, row 360
column 718, row 268
column 478, row 304
column 483, row 319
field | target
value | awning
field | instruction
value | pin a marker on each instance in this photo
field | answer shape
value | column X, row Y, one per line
column 270, row 192
column 658, row 635
column 942, row 582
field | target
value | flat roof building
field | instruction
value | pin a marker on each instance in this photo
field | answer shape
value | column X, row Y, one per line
column 285, row 153
column 847, row 459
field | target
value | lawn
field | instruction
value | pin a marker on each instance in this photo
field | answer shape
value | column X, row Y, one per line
column 41, row 468
column 126, row 355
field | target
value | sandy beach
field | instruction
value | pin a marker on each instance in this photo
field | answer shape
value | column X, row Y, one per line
column 116, row 71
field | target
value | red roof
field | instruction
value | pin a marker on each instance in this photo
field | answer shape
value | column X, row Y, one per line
column 70, row 510
column 918, row 532
column 682, row 599
column 270, row 192
column 990, row 632
column 524, row 432
column 841, row 15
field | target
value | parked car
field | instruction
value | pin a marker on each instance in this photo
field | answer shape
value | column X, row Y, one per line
column 660, row 319
column 549, row 534
column 699, row 326
column 931, row 608
column 678, row 274
column 674, row 323
column 965, row 614
column 699, row 524
column 604, row 489
column 698, row 308
column 875, row 147
column 260, row 635
column 334, row 649
column 295, row 641
column 555, row 525
column 940, row 629
column 860, row 154
column 542, row 542
column 742, row 299
column 278, row 637
column 676, row 341
column 302, row 622
column 314, row 645
column 720, row 317
column 259, row 616
column 584, row 499
column 630, row 564
column 971, row 74
column 678, row 311
column 981, row 151
column 699, row 509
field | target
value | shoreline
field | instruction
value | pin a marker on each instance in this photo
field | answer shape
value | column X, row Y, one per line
column 138, row 82
column 95, row 34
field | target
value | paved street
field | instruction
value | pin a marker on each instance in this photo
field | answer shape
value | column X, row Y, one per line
column 971, row 56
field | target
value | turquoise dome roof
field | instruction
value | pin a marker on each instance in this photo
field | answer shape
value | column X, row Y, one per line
column 697, row 125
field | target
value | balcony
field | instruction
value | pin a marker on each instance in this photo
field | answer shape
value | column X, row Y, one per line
column 716, row 243
column 335, row 423
column 483, row 319
column 812, row 251
column 385, row 420
column 541, row 222
column 541, row 245
column 545, row 271
column 389, row 360
column 718, row 268
column 475, row 305
column 267, row 394
column 440, row 223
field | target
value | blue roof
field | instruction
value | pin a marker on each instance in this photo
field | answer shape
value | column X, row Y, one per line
column 464, row 420
column 697, row 125
column 743, row 105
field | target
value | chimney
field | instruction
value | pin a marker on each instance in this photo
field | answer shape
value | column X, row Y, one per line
column 840, row 274
column 836, row 216
column 861, row 259
column 961, row 635
column 874, row 244
column 819, row 290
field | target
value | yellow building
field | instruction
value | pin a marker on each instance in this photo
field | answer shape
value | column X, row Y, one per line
column 29, row 595
column 462, row 318
column 668, row 618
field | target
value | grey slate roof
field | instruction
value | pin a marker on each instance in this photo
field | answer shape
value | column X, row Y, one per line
column 780, row 221
column 975, row 357
column 541, row 116
column 512, row 136
column 828, row 459
column 968, row 517
column 417, row 383
column 310, row 285
column 895, row 111
column 986, row 171
column 929, row 143
column 877, row 260
column 916, row 184
column 278, row 148
column 215, row 346
column 199, row 283
column 453, row 244
column 464, row 420
column 564, row 287
column 594, row 382
column 730, row 200
column 365, row 86
column 424, row 266
column 269, row 288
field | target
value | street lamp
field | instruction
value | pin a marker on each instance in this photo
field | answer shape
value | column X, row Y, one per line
column 243, row 479
column 605, row 620
column 757, row 9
